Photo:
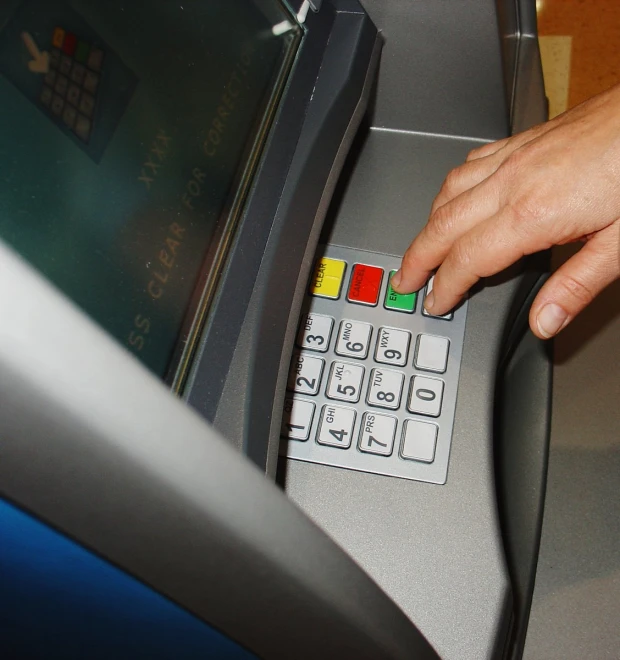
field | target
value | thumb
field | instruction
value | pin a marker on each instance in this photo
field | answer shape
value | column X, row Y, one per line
column 576, row 283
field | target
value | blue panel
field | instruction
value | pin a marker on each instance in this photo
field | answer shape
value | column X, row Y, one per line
column 58, row 600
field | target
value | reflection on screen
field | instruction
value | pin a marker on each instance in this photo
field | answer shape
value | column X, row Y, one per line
column 124, row 128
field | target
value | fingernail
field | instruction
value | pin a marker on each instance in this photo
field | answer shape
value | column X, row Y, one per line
column 429, row 301
column 396, row 278
column 550, row 320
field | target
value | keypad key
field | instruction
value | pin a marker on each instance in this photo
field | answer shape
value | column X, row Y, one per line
column 95, row 59
column 61, row 85
column 58, row 37
column 377, row 434
column 425, row 396
column 50, row 78
column 55, row 57
column 385, row 388
column 69, row 115
column 315, row 332
column 345, row 382
column 432, row 353
column 65, row 65
column 365, row 284
column 73, row 95
column 399, row 302
column 297, row 419
column 87, row 104
column 69, row 43
column 46, row 96
column 354, row 339
column 81, row 52
column 327, row 279
column 91, row 82
column 82, row 127
column 57, row 105
column 419, row 441
column 336, row 427
column 305, row 374
column 77, row 73
column 392, row 347
column 429, row 288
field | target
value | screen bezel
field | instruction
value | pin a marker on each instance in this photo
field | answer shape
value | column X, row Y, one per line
column 205, row 289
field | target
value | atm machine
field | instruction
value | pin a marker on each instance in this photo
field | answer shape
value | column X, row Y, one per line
column 222, row 433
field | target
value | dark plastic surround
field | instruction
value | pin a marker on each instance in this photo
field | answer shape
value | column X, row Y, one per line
column 321, row 109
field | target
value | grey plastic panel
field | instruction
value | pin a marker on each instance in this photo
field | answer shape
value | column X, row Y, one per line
column 378, row 317
column 96, row 446
column 436, row 550
column 530, row 105
column 508, row 21
column 441, row 70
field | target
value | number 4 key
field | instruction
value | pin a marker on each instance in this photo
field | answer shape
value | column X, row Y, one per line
column 336, row 427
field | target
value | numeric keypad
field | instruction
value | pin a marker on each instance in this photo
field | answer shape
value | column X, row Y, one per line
column 372, row 383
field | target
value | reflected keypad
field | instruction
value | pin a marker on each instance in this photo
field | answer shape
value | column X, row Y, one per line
column 373, row 380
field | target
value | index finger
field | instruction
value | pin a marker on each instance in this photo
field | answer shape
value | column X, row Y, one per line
column 486, row 250
column 448, row 224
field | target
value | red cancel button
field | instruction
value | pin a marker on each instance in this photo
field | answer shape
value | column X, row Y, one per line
column 365, row 284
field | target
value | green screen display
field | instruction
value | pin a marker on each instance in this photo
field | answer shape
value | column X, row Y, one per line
column 126, row 129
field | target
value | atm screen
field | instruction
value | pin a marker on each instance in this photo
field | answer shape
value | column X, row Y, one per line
column 129, row 132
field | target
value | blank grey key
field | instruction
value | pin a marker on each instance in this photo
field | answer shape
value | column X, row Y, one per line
column 429, row 288
column 419, row 440
column 432, row 353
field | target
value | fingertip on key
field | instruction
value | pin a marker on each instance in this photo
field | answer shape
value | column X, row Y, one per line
column 395, row 281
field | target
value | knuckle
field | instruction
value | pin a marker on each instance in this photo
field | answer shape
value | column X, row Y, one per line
column 441, row 225
column 529, row 212
column 577, row 289
column 461, row 255
column 410, row 257
column 513, row 164
column 474, row 153
column 453, row 180
column 449, row 189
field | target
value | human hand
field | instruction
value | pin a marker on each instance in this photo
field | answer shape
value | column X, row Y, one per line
column 553, row 184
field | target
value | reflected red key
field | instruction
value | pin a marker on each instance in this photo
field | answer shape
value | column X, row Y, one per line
column 365, row 284
column 70, row 43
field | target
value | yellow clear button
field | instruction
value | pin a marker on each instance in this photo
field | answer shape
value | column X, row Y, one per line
column 327, row 278
column 58, row 37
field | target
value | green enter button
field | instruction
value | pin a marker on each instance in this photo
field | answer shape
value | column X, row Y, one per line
column 397, row 301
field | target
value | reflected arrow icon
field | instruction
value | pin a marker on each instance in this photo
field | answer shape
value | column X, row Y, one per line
column 40, row 62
